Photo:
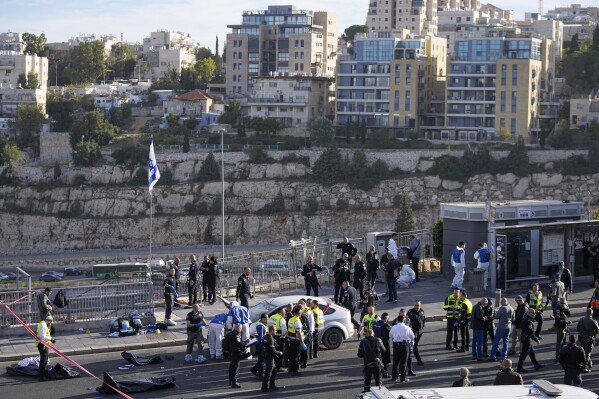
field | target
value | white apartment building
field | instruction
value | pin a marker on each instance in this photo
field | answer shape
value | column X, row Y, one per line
column 291, row 99
column 417, row 16
column 163, row 51
column 584, row 110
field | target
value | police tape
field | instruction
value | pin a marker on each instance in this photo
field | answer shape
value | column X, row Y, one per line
column 60, row 354
column 23, row 297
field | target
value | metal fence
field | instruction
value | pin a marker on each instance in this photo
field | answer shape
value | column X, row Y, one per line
column 94, row 302
column 426, row 241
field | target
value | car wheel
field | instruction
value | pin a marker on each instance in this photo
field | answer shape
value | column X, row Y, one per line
column 332, row 338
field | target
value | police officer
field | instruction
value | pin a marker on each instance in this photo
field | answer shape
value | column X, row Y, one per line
column 572, row 359
column 534, row 298
column 359, row 274
column 43, row 333
column 213, row 275
column 372, row 265
column 381, row 330
column 170, row 296
column 368, row 299
column 528, row 334
column 243, row 293
column 369, row 319
column 464, row 321
column 261, row 329
column 236, row 346
column 587, row 329
column 452, row 307
column 271, row 353
column 205, row 269
column 401, row 335
column 348, row 248
column 192, row 280
column 296, row 340
column 279, row 322
column 561, row 325
column 371, row 350
column 318, row 325
column 310, row 278
column 195, row 322
column 341, row 272
column 308, row 327
column 418, row 320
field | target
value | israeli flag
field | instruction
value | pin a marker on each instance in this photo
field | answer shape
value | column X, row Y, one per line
column 153, row 172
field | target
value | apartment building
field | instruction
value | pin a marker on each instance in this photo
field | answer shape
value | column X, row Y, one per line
column 164, row 51
column 291, row 99
column 280, row 39
column 390, row 79
column 584, row 110
column 417, row 16
column 14, row 63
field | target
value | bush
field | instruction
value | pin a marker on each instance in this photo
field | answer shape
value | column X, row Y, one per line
column 437, row 233
column 166, row 177
column 328, row 168
column 86, row 153
column 575, row 165
column 404, row 221
column 342, row 204
column 379, row 139
column 321, row 131
column 210, row 169
column 130, row 155
column 258, row 155
column 140, row 177
column 277, row 205
column 79, row 180
column 310, row 207
column 290, row 143
column 294, row 158
column 57, row 171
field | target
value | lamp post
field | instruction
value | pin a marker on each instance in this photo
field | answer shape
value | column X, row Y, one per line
column 222, row 205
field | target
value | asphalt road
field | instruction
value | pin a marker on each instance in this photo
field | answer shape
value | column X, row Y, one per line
column 335, row 374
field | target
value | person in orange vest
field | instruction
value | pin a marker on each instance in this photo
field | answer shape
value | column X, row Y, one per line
column 43, row 334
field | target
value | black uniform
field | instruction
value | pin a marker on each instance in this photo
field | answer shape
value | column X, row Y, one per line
column 372, row 267
column 213, row 275
column 341, row 272
column 418, row 320
column 235, row 349
column 489, row 330
column 270, row 353
column 192, row 283
column 572, row 359
column 169, row 295
column 371, row 350
column 359, row 276
column 348, row 298
column 368, row 299
column 587, row 329
column 348, row 249
column 243, row 290
column 381, row 330
column 309, row 272
column 204, row 268
column 526, row 337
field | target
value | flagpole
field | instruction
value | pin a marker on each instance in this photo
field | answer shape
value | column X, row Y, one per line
column 153, row 176
column 151, row 230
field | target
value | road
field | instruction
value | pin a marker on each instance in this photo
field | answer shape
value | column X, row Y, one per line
column 335, row 374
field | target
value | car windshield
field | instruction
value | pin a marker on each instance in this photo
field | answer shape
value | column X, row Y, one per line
column 262, row 307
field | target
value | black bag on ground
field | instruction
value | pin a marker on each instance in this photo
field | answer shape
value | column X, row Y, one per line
column 141, row 361
column 134, row 386
column 58, row 372
column 161, row 326
column 60, row 301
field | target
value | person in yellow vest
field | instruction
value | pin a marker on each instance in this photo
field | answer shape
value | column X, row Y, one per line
column 279, row 322
column 534, row 298
column 452, row 306
column 43, row 333
column 309, row 326
column 318, row 325
column 369, row 319
column 464, row 321
column 296, row 340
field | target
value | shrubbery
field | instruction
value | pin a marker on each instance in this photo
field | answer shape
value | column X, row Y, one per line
column 210, row 169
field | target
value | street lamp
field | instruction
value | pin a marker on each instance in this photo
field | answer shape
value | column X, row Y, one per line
column 222, row 181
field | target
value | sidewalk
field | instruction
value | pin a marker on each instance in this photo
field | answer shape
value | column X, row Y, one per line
column 431, row 290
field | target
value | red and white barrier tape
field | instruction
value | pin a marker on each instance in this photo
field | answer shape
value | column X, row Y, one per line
column 59, row 353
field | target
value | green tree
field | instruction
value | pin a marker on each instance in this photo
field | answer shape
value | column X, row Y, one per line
column 203, row 53
column 170, row 81
column 86, row 153
column 92, row 127
column 321, row 131
column 186, row 145
column 404, row 221
column 26, row 125
column 328, row 168
column 209, row 170
column 216, row 47
column 206, row 68
column 349, row 34
column 34, row 44
column 29, row 81
column 122, row 61
column 9, row 156
column 437, row 233
column 574, row 44
column 88, row 62
column 57, row 170
column 517, row 160
column 595, row 42
column 130, row 155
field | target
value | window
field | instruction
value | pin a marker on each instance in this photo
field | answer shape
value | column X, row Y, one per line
column 503, row 74
column 302, row 43
column 408, row 74
column 514, row 102
column 396, row 101
column 514, row 75
column 502, row 103
column 513, row 126
column 407, row 101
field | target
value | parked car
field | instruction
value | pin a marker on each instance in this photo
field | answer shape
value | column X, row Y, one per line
column 11, row 276
column 51, row 277
column 3, row 277
column 337, row 320
column 157, row 276
column 271, row 266
column 72, row 271
column 157, row 263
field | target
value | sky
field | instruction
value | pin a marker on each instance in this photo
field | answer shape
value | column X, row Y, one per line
column 202, row 19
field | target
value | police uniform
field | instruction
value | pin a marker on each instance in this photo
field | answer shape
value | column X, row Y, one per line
column 318, row 325
column 261, row 332
column 294, row 327
column 535, row 301
column 452, row 306
column 280, row 324
column 464, row 324
column 43, row 333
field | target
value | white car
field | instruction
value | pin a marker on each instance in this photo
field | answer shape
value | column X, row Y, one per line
column 157, row 263
column 337, row 320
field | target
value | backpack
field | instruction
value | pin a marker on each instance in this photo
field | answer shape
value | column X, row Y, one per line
column 60, row 301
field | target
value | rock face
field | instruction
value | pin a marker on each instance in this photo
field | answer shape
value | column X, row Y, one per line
column 110, row 215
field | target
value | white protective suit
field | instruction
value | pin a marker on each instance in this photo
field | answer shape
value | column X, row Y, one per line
column 407, row 277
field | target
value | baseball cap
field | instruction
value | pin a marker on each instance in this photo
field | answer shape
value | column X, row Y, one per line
column 49, row 318
column 518, row 297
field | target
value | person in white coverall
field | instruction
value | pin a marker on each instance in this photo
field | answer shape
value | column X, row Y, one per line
column 216, row 334
column 483, row 256
column 407, row 277
column 458, row 262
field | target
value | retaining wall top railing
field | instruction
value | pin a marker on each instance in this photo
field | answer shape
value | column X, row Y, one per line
column 92, row 302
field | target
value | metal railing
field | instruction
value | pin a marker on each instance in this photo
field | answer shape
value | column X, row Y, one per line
column 95, row 302
column 426, row 241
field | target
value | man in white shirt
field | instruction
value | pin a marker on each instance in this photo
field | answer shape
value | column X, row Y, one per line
column 401, row 335
column 392, row 245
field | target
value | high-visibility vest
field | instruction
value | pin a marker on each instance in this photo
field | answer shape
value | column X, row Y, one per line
column 291, row 326
column 318, row 317
column 275, row 320
column 468, row 307
column 39, row 332
column 258, row 325
column 368, row 320
column 452, row 300
column 536, row 300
